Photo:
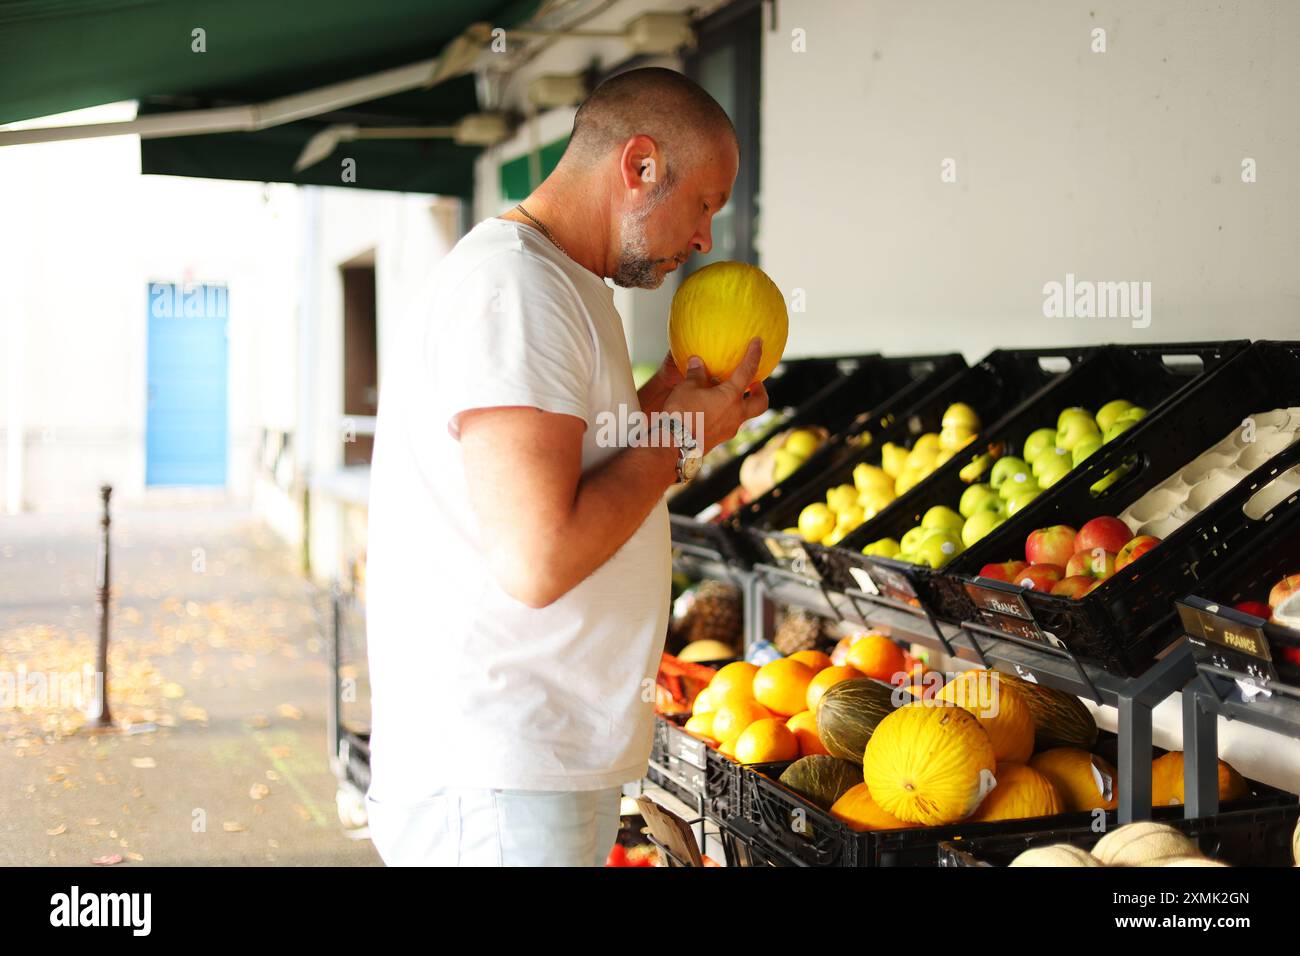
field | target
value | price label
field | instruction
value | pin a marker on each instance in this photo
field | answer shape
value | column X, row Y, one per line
column 1018, row 627
column 863, row 579
column 892, row 582
column 1005, row 600
column 1226, row 638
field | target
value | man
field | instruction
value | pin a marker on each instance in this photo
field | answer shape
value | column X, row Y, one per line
column 519, row 572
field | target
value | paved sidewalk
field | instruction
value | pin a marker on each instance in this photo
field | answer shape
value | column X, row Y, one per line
column 218, row 683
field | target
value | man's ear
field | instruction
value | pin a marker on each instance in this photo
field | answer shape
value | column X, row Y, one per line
column 639, row 163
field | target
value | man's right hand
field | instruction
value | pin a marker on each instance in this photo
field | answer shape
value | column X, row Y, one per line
column 725, row 405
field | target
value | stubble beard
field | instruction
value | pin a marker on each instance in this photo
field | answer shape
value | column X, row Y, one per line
column 636, row 269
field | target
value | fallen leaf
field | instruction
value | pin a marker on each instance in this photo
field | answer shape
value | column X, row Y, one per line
column 61, row 829
column 91, row 821
column 272, row 775
column 289, row 712
column 173, row 691
column 135, row 856
column 280, row 751
column 302, row 811
column 144, row 763
column 258, row 721
column 259, row 791
column 230, row 826
column 112, row 860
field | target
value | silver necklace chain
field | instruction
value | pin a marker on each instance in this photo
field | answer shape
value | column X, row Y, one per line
column 545, row 231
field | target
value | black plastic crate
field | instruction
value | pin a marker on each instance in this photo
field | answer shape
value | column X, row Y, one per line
column 1002, row 382
column 1126, row 622
column 1156, row 377
column 809, row 836
column 1259, row 651
column 693, row 771
column 856, row 394
column 1260, row 836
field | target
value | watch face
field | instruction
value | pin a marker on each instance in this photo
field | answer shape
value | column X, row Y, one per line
column 691, row 466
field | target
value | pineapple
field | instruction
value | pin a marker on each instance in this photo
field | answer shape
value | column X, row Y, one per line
column 799, row 630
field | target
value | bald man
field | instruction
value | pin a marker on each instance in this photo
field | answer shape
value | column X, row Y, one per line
column 519, row 560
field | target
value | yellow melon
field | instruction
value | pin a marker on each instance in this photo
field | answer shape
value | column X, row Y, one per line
column 929, row 762
column 1058, row 854
column 1021, row 792
column 1145, row 843
column 717, row 312
column 1002, row 711
column 765, row 741
column 860, row 812
column 782, row 686
column 1084, row 781
column 1167, row 781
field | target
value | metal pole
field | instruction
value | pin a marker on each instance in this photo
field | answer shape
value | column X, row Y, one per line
column 103, row 718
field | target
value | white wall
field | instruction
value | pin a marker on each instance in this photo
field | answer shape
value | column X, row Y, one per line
column 84, row 233
column 1123, row 165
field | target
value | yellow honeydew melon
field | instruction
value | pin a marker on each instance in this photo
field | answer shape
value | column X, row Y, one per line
column 1145, row 843
column 717, row 312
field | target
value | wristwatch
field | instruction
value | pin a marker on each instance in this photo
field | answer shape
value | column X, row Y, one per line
column 688, row 457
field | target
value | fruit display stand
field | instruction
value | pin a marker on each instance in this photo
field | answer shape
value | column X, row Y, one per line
column 1000, row 384
column 1248, row 667
column 1124, row 622
column 1159, row 377
column 845, row 396
column 1255, row 836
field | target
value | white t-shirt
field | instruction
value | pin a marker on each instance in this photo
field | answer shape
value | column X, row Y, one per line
column 470, row 687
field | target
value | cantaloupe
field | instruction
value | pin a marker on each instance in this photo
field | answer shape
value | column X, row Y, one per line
column 1058, row 854
column 1192, row 861
column 717, row 312
column 1167, row 781
column 1145, row 843
column 860, row 812
column 1084, row 781
column 1002, row 711
column 929, row 762
column 1021, row 793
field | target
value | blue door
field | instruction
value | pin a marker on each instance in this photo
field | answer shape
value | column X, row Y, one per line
column 185, row 436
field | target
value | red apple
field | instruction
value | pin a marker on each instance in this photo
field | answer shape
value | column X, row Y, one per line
column 1096, row 584
column 1257, row 608
column 1134, row 550
column 1109, row 534
column 1006, row 571
column 1075, row 586
column 1284, row 589
column 1094, row 564
column 1052, row 545
column 1040, row 577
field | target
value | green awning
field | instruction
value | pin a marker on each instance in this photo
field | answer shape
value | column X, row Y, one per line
column 60, row 55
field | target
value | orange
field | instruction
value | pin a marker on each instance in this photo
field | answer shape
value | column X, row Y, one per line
column 765, row 741
column 879, row 657
column 782, row 686
column 704, row 703
column 734, row 716
column 804, row 726
column 738, row 675
column 701, row 725
column 824, row 681
column 816, row 661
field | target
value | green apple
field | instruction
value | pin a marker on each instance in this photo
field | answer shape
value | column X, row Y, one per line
column 940, row 548
column 1084, row 449
column 978, row 526
column 912, row 539
column 1038, row 442
column 1054, row 469
column 977, row 497
column 941, row 516
column 1046, row 460
column 784, row 464
column 1072, row 413
column 908, row 557
column 1019, row 482
column 1118, row 428
column 1133, row 414
column 1107, row 414
column 1006, row 469
column 1021, row 498
column 1075, row 430
column 884, row 548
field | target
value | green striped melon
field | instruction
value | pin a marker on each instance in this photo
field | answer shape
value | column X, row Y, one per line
column 848, row 714
column 821, row 779
column 1060, row 719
